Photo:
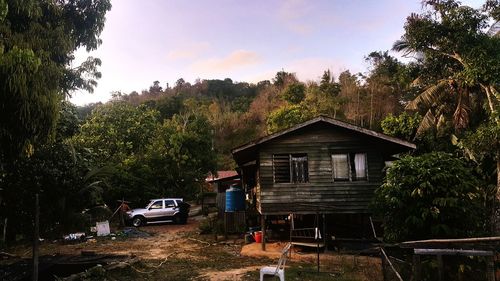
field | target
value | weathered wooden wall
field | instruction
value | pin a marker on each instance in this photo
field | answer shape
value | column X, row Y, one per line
column 321, row 193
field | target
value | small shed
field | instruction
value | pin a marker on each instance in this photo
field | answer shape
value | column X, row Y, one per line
column 220, row 183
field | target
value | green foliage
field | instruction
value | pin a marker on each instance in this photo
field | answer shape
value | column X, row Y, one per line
column 455, row 48
column 57, row 173
column 69, row 123
column 181, row 155
column 286, row 117
column 403, row 126
column 118, row 130
column 38, row 41
column 483, row 142
column 294, row 93
column 434, row 195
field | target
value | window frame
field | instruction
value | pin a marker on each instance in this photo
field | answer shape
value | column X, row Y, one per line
column 350, row 166
column 291, row 168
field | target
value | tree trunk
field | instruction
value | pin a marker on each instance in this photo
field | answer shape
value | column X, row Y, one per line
column 371, row 109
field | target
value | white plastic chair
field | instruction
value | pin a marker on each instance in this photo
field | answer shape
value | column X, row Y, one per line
column 278, row 270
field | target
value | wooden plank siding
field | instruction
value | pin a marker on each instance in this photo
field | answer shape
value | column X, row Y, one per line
column 320, row 193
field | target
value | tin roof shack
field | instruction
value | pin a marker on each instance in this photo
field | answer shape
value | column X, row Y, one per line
column 321, row 166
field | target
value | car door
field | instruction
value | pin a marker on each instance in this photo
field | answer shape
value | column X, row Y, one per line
column 170, row 208
column 155, row 211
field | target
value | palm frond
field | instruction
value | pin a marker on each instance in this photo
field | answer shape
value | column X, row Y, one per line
column 428, row 122
column 441, row 122
column 461, row 116
column 416, row 82
column 428, row 97
column 402, row 45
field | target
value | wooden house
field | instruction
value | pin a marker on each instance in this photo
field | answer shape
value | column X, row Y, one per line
column 322, row 166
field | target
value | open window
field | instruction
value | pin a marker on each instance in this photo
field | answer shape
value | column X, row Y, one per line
column 349, row 167
column 290, row 168
column 156, row 205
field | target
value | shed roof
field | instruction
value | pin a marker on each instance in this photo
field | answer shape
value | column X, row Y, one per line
column 222, row 175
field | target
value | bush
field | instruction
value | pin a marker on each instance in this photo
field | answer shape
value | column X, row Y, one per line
column 434, row 195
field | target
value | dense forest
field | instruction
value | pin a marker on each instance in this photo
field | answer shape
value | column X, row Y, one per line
column 164, row 140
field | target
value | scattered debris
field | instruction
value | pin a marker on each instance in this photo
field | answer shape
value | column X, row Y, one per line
column 133, row 232
column 103, row 228
column 75, row 236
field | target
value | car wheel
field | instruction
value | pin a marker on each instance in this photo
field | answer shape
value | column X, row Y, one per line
column 177, row 219
column 137, row 221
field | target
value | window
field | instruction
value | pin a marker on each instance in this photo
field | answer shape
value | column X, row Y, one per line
column 290, row 168
column 157, row 205
column 349, row 167
column 169, row 203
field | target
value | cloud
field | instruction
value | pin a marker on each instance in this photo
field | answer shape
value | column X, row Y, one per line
column 294, row 14
column 191, row 51
column 235, row 60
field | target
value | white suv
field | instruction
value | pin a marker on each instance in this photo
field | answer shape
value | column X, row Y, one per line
column 160, row 210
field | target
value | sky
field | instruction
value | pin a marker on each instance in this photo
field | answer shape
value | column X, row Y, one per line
column 247, row 41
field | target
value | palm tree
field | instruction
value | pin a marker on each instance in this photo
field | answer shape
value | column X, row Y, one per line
column 454, row 36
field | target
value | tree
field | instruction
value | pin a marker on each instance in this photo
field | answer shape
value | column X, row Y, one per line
column 328, row 84
column 453, row 42
column 385, row 86
column 116, row 131
column 283, row 78
column 294, row 93
column 434, row 195
column 181, row 155
column 403, row 126
column 286, row 117
column 38, row 41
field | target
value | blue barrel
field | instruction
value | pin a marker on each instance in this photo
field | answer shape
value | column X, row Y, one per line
column 235, row 200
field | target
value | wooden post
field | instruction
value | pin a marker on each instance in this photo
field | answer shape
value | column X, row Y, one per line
column 417, row 268
column 317, row 237
column 384, row 265
column 263, row 226
column 291, row 234
column 440, row 267
column 36, row 240
column 324, row 231
column 225, row 225
column 122, row 218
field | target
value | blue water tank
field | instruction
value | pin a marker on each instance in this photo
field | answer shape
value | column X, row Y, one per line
column 235, row 199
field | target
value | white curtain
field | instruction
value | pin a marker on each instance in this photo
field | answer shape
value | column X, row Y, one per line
column 340, row 166
column 360, row 165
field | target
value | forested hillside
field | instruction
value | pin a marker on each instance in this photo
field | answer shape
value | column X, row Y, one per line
column 241, row 111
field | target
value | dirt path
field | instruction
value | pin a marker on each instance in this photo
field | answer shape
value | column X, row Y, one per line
column 182, row 246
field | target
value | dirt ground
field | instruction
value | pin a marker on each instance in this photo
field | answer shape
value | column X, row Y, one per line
column 181, row 247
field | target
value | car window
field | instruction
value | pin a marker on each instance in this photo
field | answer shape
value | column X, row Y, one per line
column 157, row 205
column 169, row 203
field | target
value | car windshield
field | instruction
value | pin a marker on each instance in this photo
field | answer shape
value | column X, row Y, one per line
column 149, row 203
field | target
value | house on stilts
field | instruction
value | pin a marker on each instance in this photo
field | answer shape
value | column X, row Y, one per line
column 322, row 172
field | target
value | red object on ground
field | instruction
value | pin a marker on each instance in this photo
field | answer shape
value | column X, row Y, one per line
column 257, row 236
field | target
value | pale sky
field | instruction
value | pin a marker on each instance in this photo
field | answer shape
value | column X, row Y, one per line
column 164, row 40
